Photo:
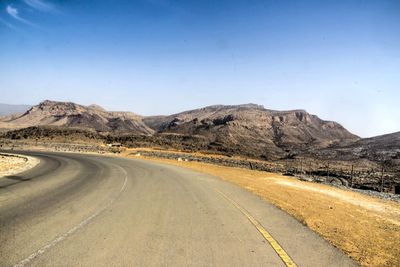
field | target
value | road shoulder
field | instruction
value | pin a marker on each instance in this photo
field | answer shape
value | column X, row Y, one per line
column 12, row 164
column 343, row 218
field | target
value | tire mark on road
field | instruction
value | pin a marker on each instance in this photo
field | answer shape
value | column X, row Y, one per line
column 71, row 231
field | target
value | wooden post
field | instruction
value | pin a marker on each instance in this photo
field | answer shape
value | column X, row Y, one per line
column 295, row 167
column 382, row 179
column 301, row 166
column 327, row 170
column 351, row 176
column 286, row 166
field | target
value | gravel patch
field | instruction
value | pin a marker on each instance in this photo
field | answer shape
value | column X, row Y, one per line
column 11, row 164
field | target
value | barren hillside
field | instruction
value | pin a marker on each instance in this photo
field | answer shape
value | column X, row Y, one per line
column 67, row 114
column 248, row 130
column 383, row 148
column 252, row 128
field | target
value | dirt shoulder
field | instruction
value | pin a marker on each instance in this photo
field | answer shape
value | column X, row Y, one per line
column 11, row 164
column 365, row 228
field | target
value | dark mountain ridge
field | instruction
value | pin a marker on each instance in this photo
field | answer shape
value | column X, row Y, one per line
column 383, row 148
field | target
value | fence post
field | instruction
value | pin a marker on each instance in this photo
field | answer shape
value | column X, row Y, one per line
column 301, row 166
column 382, row 178
column 251, row 165
column 351, row 176
column 327, row 170
column 286, row 166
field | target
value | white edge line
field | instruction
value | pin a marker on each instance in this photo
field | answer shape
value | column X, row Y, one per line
column 62, row 237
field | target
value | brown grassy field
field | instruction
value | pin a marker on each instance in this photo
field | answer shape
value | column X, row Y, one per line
column 365, row 228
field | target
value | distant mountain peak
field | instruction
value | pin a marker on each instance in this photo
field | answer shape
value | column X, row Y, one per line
column 47, row 102
column 97, row 107
column 251, row 105
column 248, row 106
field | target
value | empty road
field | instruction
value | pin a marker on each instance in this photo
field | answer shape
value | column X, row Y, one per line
column 87, row 210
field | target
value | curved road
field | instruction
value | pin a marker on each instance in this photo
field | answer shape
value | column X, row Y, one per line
column 87, row 210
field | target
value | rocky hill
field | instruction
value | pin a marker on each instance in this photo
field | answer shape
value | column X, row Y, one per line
column 248, row 129
column 67, row 114
column 253, row 130
column 383, row 148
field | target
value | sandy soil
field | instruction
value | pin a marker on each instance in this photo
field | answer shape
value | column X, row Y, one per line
column 13, row 164
column 365, row 228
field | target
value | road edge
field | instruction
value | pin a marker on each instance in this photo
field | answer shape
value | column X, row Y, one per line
column 30, row 162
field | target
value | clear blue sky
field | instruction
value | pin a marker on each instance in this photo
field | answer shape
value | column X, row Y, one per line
column 337, row 59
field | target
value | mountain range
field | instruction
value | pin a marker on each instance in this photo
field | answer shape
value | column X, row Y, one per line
column 247, row 129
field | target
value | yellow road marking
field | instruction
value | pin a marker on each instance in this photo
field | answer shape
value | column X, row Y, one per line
column 274, row 244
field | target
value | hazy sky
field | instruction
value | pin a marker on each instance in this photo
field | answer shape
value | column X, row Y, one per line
column 337, row 59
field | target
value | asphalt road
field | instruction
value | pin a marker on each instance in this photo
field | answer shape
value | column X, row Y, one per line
column 86, row 210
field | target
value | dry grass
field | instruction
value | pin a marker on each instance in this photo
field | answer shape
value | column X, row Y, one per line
column 365, row 228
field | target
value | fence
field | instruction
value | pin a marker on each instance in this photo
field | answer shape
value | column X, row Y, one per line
column 361, row 176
